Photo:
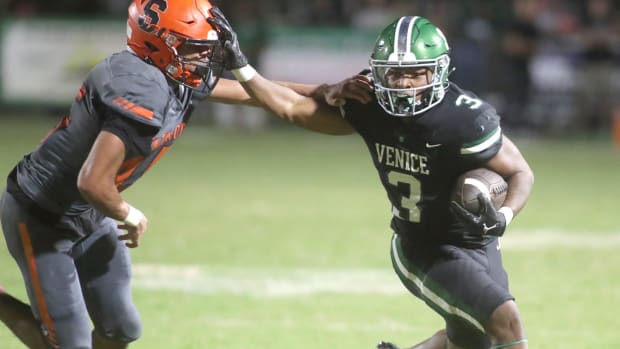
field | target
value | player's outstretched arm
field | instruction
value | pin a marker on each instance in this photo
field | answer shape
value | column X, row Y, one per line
column 232, row 92
column 281, row 100
column 304, row 111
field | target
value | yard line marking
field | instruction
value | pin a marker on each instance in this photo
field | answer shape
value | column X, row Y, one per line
column 265, row 282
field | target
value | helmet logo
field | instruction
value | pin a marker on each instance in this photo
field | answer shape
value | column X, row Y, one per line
column 150, row 19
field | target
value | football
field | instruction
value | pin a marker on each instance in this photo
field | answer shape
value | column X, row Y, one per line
column 480, row 180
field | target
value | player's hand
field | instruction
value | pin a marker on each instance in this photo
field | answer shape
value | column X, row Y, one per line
column 487, row 222
column 134, row 232
column 235, row 59
column 357, row 87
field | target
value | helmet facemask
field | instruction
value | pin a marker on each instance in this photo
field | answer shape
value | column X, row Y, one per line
column 410, row 66
column 197, row 64
column 410, row 101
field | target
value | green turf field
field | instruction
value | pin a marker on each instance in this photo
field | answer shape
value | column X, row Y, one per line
column 280, row 239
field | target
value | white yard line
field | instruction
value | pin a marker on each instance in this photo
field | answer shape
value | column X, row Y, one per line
column 294, row 282
column 265, row 282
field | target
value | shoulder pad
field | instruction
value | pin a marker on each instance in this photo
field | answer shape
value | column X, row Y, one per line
column 132, row 89
column 469, row 123
column 487, row 140
column 479, row 131
column 358, row 113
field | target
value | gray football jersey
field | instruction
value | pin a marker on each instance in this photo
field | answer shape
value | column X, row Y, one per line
column 122, row 85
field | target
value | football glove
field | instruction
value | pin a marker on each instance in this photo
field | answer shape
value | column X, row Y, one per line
column 235, row 59
column 488, row 221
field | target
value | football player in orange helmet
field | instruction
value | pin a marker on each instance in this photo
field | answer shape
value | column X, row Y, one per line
column 63, row 200
column 175, row 37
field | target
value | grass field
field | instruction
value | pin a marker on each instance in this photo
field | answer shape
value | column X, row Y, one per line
column 280, row 239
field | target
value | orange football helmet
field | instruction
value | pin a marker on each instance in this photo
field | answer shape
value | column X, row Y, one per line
column 174, row 35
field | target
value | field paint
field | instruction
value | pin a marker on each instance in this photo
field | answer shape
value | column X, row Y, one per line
column 265, row 282
column 295, row 282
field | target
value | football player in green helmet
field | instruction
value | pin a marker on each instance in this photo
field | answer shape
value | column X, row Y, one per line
column 422, row 132
column 410, row 48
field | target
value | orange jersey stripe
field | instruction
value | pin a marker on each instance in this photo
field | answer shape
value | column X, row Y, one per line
column 163, row 151
column 36, row 284
column 120, row 101
column 81, row 93
column 60, row 125
column 143, row 112
column 127, row 169
column 132, row 107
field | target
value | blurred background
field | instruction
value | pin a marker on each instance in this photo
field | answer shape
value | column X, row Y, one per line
column 263, row 235
column 549, row 66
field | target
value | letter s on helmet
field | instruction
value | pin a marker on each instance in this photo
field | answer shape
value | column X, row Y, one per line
column 174, row 35
column 410, row 43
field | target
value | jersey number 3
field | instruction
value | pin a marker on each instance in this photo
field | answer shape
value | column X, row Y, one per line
column 408, row 209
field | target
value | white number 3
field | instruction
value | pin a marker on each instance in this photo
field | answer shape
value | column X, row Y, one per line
column 408, row 209
column 473, row 103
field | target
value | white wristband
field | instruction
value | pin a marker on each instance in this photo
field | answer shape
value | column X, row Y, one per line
column 133, row 217
column 508, row 213
column 244, row 73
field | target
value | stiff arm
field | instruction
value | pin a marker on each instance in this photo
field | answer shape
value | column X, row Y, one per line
column 311, row 106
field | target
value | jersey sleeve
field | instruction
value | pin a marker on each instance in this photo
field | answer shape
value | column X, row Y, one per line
column 482, row 138
column 136, row 136
column 350, row 112
column 135, row 97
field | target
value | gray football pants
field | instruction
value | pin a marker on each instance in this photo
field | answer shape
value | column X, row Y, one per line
column 75, row 271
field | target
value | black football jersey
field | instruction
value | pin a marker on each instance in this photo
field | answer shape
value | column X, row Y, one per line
column 122, row 87
column 419, row 159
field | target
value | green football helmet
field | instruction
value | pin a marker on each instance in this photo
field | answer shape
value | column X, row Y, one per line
column 407, row 45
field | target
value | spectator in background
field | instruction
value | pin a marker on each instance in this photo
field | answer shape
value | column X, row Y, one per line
column 327, row 13
column 472, row 48
column 597, row 94
column 518, row 45
column 59, row 7
column 371, row 14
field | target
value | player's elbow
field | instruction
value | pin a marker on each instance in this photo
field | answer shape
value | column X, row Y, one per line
column 525, row 178
column 531, row 177
column 88, row 187
column 528, row 175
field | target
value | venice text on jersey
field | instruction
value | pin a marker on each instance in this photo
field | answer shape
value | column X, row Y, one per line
column 403, row 159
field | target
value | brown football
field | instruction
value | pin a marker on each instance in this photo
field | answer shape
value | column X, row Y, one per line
column 480, row 180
